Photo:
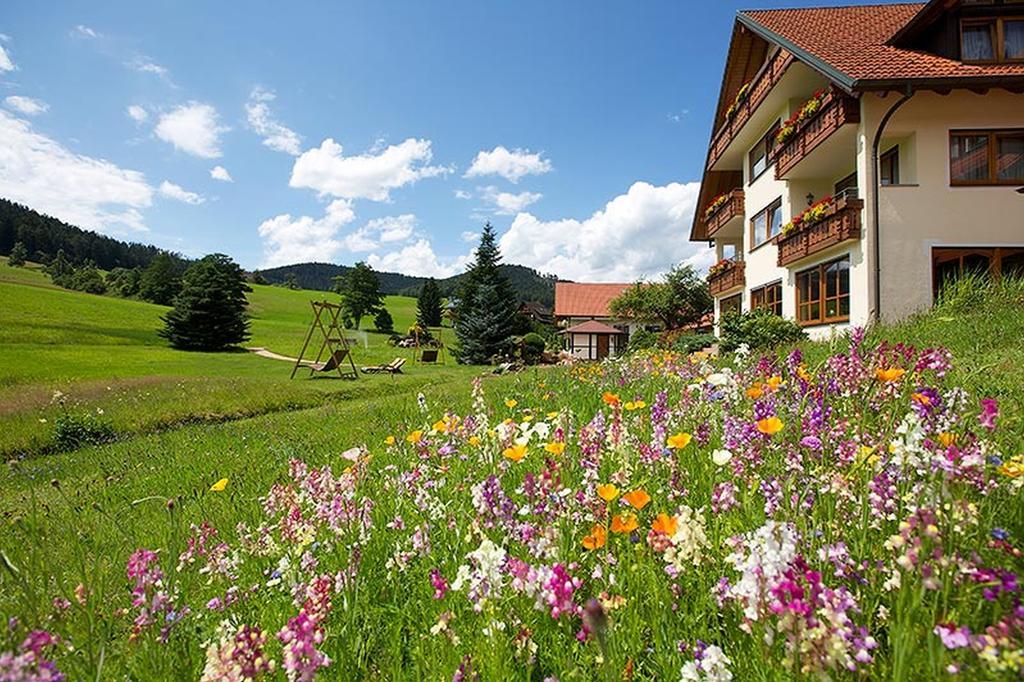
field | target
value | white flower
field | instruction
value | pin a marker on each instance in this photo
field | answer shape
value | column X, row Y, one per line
column 721, row 457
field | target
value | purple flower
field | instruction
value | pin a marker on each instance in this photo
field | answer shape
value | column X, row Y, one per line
column 989, row 413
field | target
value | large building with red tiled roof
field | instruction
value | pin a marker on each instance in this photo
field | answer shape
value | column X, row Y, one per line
column 862, row 156
column 588, row 327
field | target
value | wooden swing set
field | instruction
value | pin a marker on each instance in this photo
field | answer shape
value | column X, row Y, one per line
column 430, row 354
column 339, row 354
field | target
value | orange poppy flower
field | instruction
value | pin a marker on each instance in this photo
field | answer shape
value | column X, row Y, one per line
column 624, row 523
column 415, row 437
column 889, row 375
column 947, row 438
column 607, row 491
column 610, row 398
column 679, row 441
column 637, row 499
column 921, row 399
column 665, row 524
column 596, row 538
column 755, row 392
column 514, row 453
column 770, row 426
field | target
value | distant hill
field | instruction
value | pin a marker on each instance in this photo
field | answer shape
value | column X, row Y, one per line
column 43, row 236
column 528, row 284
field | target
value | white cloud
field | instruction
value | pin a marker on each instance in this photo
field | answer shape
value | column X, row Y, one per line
column 511, row 165
column 26, row 105
column 178, row 193
column 386, row 230
column 418, row 260
column 462, row 194
column 5, row 60
column 83, row 31
column 469, row 236
column 137, row 113
column 367, row 176
column 193, row 128
column 92, row 193
column 289, row 240
column 145, row 65
column 262, row 122
column 507, row 203
column 221, row 173
column 641, row 233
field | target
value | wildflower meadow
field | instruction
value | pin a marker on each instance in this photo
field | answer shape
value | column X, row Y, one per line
column 662, row 517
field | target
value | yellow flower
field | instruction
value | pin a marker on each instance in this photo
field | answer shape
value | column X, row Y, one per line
column 775, row 383
column 635, row 405
column 390, row 440
column 515, row 453
column 219, row 485
column 555, row 448
column 679, row 441
column 770, row 425
column 527, row 417
column 802, row 372
column 889, row 375
column 414, row 437
column 474, row 440
column 607, row 491
column 511, row 402
column 441, row 426
column 1013, row 468
column 552, row 415
column 947, row 438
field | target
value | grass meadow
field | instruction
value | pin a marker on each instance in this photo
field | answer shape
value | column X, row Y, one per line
column 846, row 510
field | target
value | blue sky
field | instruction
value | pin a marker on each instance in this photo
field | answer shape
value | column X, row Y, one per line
column 379, row 131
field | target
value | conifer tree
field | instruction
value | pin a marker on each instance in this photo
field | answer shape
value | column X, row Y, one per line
column 209, row 311
column 487, row 306
column 428, row 305
column 18, row 255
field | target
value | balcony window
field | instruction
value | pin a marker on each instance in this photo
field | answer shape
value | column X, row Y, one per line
column 733, row 304
column 766, row 224
column 993, row 157
column 823, row 293
column 992, row 40
column 889, row 167
column 760, row 154
column 768, row 297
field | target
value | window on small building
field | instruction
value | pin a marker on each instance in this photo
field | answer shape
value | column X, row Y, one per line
column 889, row 167
column 768, row 297
column 997, row 39
column 766, row 224
column 733, row 304
column 986, row 157
column 950, row 264
column 823, row 293
column 760, row 156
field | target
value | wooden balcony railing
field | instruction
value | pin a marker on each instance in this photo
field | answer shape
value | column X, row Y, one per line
column 732, row 276
column 766, row 79
column 842, row 223
column 721, row 216
column 836, row 110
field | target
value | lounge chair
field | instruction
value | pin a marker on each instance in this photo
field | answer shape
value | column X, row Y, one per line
column 333, row 362
column 393, row 367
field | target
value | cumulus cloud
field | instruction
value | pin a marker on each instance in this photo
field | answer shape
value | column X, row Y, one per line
column 262, row 122
column 145, row 65
column 193, row 128
column 641, row 233
column 462, row 194
column 26, row 105
column 469, row 236
column 367, row 176
column 83, row 31
column 289, row 240
column 5, row 60
column 511, row 165
column 508, row 203
column 386, row 230
column 137, row 113
column 221, row 173
column 418, row 260
column 92, row 193
column 178, row 193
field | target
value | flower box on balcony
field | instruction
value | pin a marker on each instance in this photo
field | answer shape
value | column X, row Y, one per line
column 823, row 225
column 722, row 210
column 726, row 275
column 815, row 122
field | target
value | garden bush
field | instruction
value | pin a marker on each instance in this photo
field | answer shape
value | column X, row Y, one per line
column 531, row 348
column 72, row 431
column 692, row 343
column 641, row 339
column 758, row 330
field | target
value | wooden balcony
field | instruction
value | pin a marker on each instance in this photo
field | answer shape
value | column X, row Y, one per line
column 726, row 213
column 766, row 79
column 731, row 277
column 840, row 225
column 836, row 110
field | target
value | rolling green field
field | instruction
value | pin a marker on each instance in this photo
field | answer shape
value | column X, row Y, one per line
column 104, row 354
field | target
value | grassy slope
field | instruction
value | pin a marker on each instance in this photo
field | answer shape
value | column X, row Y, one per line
column 105, row 354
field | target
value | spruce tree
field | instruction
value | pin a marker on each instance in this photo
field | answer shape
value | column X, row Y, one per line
column 60, row 270
column 18, row 255
column 428, row 305
column 161, row 281
column 487, row 306
column 360, row 292
column 209, row 311
column 383, row 321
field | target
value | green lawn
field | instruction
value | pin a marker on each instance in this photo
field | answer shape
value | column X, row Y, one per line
column 103, row 352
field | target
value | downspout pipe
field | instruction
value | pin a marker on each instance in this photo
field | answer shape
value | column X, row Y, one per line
column 876, row 180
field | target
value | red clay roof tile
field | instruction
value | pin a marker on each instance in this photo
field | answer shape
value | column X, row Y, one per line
column 573, row 299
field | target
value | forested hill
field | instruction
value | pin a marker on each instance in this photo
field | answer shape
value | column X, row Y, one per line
column 43, row 236
column 528, row 284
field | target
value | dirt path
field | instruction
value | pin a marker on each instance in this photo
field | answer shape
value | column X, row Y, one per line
column 264, row 353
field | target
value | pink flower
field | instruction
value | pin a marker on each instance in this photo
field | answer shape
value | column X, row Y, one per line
column 989, row 413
